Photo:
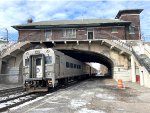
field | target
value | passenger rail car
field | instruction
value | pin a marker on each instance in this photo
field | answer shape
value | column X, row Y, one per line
column 45, row 68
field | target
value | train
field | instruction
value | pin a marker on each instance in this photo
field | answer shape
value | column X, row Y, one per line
column 45, row 68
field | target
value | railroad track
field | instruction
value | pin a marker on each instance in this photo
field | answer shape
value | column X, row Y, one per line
column 14, row 99
column 10, row 91
column 18, row 99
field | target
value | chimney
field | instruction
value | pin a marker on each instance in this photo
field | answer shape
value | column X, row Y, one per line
column 29, row 20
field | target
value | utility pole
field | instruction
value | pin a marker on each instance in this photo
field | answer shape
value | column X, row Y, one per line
column 6, row 34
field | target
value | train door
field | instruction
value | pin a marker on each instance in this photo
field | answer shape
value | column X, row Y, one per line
column 37, row 66
column 57, row 65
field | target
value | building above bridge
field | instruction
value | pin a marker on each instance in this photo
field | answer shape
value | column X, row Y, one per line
column 125, row 27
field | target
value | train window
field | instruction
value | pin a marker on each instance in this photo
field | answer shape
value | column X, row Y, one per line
column 38, row 61
column 79, row 66
column 26, row 62
column 71, row 65
column 48, row 59
column 67, row 64
column 75, row 66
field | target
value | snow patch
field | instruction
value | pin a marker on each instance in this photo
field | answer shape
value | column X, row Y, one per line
column 43, row 109
column 53, row 98
column 27, row 103
column 105, row 96
column 77, row 103
column 85, row 110
column 87, row 93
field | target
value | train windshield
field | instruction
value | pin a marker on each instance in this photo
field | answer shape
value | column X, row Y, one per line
column 38, row 61
column 48, row 59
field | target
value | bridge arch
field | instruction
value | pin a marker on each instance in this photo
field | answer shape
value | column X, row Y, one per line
column 91, row 56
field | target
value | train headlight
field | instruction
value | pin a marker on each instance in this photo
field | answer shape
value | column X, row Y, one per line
column 26, row 75
column 49, row 81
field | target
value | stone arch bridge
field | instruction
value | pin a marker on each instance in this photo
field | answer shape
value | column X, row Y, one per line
column 114, row 54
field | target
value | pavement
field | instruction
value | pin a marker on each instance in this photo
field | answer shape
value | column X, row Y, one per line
column 91, row 96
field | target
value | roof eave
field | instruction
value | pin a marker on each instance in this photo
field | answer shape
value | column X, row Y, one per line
column 71, row 26
column 128, row 10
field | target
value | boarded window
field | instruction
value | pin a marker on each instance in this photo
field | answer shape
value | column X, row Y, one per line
column 114, row 30
column 48, row 35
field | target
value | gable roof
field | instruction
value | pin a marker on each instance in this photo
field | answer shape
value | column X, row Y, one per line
column 72, row 23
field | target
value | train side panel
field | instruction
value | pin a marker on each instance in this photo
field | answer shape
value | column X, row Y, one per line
column 68, row 67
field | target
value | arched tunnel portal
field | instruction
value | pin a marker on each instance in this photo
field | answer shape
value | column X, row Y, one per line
column 89, row 56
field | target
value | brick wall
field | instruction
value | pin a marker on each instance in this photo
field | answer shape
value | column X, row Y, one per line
column 81, row 34
column 31, row 35
column 135, row 19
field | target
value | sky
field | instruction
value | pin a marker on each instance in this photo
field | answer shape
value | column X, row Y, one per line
column 16, row 12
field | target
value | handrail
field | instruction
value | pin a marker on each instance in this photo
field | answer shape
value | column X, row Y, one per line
column 118, row 41
column 141, row 61
column 147, row 51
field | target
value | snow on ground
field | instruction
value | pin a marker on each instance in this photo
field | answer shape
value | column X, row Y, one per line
column 105, row 96
column 85, row 110
column 74, row 104
column 46, row 110
column 87, row 93
column 27, row 103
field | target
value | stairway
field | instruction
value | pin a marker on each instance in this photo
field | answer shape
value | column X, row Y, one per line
column 14, row 49
column 143, row 60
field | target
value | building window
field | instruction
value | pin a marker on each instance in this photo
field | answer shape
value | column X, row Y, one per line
column 75, row 66
column 69, row 33
column 90, row 35
column 67, row 64
column 48, row 35
column 114, row 30
column 131, row 30
column 71, row 65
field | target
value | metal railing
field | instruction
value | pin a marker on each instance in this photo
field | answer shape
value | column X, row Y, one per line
column 148, row 52
column 142, row 61
column 118, row 41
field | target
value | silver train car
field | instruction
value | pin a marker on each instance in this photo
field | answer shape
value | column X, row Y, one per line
column 45, row 68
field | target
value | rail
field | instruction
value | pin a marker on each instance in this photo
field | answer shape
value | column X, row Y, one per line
column 141, row 61
column 148, row 52
column 117, row 40
column 6, row 104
